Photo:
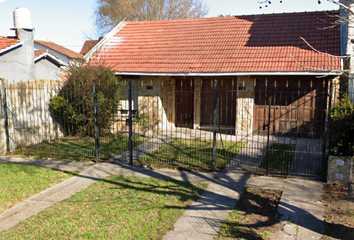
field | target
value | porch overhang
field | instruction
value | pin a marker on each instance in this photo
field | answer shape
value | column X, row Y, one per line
column 222, row 74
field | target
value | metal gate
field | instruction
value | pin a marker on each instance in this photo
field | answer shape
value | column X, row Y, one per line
column 288, row 128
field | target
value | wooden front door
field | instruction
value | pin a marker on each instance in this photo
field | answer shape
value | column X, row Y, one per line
column 184, row 102
column 226, row 102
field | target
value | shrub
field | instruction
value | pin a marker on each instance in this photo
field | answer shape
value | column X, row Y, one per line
column 73, row 107
column 342, row 127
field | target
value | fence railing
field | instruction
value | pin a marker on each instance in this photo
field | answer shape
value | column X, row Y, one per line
column 262, row 124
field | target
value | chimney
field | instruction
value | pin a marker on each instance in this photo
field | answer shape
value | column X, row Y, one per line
column 24, row 32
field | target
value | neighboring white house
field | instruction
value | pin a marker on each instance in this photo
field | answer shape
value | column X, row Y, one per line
column 63, row 53
column 22, row 58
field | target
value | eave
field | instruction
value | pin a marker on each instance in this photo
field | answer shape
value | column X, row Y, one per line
column 213, row 74
column 4, row 50
column 51, row 56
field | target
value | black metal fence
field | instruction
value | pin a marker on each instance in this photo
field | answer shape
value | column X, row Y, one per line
column 269, row 125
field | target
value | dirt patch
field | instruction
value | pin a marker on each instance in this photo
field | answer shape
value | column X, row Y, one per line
column 339, row 213
column 254, row 216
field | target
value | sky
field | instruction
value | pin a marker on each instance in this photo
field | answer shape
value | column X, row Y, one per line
column 68, row 22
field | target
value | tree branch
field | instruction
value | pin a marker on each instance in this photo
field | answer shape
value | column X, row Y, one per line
column 342, row 5
column 308, row 67
column 308, row 44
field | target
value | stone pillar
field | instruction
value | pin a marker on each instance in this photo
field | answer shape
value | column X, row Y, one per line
column 197, row 102
column 244, row 106
column 167, row 93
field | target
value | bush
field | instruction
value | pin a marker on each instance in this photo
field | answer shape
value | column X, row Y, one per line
column 73, row 107
column 342, row 127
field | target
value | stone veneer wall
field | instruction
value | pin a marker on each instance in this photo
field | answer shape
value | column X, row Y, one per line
column 156, row 103
column 244, row 106
column 159, row 104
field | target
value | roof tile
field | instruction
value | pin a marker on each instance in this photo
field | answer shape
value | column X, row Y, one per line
column 60, row 49
column 254, row 43
column 6, row 42
column 38, row 53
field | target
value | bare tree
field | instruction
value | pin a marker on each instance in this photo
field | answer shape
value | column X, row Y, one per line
column 109, row 13
column 342, row 3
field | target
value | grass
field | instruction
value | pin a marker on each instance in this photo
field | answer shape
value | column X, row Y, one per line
column 18, row 182
column 113, row 208
column 80, row 149
column 191, row 154
column 254, row 216
column 279, row 158
column 339, row 213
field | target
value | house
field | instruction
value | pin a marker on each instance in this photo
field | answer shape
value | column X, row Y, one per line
column 63, row 53
column 20, row 60
column 273, row 71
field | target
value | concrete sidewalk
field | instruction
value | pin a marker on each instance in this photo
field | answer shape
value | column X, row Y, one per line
column 300, row 209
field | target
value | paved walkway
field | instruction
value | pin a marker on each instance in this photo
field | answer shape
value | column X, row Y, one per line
column 299, row 203
column 301, row 211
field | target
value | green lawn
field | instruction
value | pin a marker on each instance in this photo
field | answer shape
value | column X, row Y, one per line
column 18, row 182
column 114, row 208
column 279, row 158
column 192, row 154
column 79, row 148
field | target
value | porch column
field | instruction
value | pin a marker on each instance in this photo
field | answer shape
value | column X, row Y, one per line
column 244, row 106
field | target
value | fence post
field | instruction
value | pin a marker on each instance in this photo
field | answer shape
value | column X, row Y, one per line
column 97, row 143
column 328, row 134
column 269, row 108
column 6, row 118
column 214, row 122
column 130, row 125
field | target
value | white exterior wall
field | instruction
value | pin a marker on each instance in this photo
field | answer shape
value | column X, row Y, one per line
column 63, row 57
column 18, row 64
column 45, row 69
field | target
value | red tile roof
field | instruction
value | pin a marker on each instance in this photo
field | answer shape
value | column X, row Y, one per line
column 60, row 49
column 88, row 45
column 37, row 53
column 256, row 43
column 6, row 42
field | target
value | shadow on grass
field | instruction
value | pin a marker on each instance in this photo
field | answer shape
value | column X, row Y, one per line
column 338, row 231
column 78, row 149
column 277, row 160
column 210, row 200
column 192, row 155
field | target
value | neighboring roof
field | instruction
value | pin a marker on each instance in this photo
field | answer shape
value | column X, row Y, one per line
column 60, row 49
column 233, row 44
column 39, row 54
column 88, row 45
column 6, row 43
